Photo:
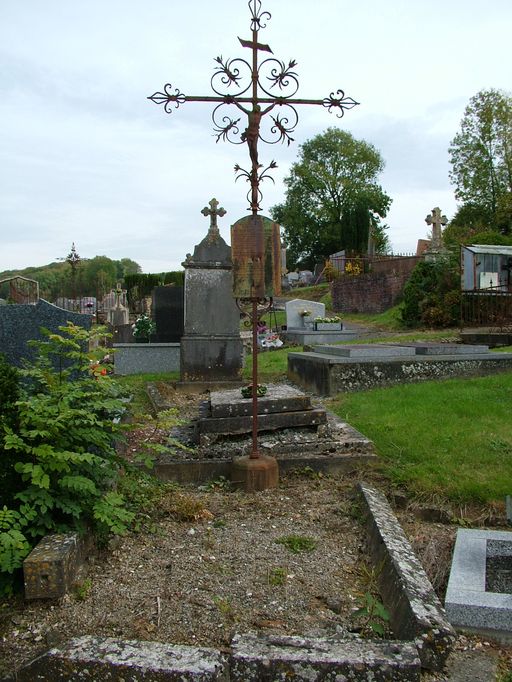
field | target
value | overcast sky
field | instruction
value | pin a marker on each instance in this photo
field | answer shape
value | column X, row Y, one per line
column 86, row 158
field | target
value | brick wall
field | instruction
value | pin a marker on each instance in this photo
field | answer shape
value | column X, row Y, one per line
column 390, row 265
column 371, row 293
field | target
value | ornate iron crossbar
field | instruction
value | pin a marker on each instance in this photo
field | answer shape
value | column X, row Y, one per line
column 251, row 87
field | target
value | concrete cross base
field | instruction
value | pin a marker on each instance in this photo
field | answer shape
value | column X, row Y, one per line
column 253, row 474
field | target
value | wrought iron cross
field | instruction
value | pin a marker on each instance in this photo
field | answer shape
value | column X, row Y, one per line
column 253, row 97
column 213, row 212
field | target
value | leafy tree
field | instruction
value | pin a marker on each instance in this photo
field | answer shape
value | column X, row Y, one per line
column 333, row 198
column 127, row 266
column 481, row 158
column 99, row 275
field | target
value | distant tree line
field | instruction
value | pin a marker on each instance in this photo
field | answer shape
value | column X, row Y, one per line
column 93, row 277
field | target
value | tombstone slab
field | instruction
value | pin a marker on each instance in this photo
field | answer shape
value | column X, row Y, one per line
column 167, row 311
column 446, row 348
column 279, row 398
column 294, row 320
column 470, row 604
column 367, row 350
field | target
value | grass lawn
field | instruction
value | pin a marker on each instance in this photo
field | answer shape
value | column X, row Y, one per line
column 450, row 438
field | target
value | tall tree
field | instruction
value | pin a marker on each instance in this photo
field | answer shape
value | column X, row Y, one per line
column 332, row 198
column 481, row 155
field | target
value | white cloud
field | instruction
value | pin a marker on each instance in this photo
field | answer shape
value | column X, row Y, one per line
column 85, row 157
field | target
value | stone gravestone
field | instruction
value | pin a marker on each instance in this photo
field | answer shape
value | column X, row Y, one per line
column 167, row 311
column 294, row 308
column 211, row 347
column 22, row 323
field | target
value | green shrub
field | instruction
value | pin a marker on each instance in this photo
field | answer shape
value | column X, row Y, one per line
column 9, row 393
column 431, row 296
column 62, row 448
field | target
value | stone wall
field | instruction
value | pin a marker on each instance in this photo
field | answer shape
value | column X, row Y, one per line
column 370, row 293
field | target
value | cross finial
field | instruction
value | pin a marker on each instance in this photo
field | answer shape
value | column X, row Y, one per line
column 213, row 212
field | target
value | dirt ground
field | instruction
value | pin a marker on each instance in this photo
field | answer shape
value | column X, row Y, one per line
column 212, row 562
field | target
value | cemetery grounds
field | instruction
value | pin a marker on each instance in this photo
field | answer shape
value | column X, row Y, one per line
column 204, row 563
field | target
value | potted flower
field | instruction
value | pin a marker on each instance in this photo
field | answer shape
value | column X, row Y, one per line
column 305, row 314
column 246, row 391
column 143, row 327
column 328, row 324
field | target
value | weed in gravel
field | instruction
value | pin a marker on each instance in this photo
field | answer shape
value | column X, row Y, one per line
column 185, row 507
column 225, row 608
column 373, row 615
column 82, row 589
column 297, row 543
column 221, row 483
column 277, row 576
column 307, row 472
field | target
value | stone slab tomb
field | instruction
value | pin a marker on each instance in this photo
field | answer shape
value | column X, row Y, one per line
column 291, row 428
column 329, row 369
column 479, row 594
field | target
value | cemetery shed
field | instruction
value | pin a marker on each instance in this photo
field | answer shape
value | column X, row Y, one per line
column 486, row 286
column 486, row 267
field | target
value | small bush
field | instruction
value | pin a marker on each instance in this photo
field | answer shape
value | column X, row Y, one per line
column 61, row 448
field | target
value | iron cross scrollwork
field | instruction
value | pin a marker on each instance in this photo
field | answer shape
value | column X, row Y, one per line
column 256, row 89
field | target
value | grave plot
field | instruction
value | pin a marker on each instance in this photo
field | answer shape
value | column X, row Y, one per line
column 288, row 561
column 329, row 369
column 291, row 428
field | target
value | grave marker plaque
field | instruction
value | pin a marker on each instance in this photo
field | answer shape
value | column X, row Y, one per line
column 256, row 255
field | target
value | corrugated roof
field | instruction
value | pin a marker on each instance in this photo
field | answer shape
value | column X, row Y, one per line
column 493, row 250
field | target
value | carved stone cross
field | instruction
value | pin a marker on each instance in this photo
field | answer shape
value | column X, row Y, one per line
column 213, row 212
column 436, row 220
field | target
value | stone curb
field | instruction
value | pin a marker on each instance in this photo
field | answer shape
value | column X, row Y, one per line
column 113, row 660
column 269, row 658
column 254, row 659
column 416, row 612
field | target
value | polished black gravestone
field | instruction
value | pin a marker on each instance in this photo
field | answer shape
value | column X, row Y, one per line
column 168, row 314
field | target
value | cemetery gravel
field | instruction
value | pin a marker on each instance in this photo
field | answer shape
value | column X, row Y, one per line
column 288, row 560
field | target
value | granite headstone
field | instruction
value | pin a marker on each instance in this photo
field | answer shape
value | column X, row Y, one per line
column 295, row 309
column 167, row 311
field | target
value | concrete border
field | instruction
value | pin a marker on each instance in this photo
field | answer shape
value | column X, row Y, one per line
column 141, row 358
column 416, row 612
column 468, row 606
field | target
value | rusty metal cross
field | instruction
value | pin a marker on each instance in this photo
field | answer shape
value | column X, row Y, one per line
column 253, row 97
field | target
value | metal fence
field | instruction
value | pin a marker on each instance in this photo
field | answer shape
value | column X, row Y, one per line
column 486, row 308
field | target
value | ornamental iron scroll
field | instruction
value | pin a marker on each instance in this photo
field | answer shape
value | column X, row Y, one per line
column 264, row 93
